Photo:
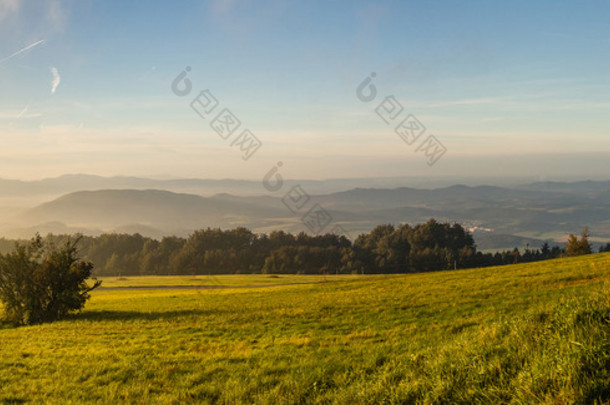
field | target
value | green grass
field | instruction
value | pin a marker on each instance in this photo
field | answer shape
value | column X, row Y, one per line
column 534, row 333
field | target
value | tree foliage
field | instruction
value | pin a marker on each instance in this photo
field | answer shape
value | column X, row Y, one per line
column 385, row 249
column 579, row 246
column 40, row 282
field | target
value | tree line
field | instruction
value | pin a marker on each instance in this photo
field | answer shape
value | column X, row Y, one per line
column 431, row 246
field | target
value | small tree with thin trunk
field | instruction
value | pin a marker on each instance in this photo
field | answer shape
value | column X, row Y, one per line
column 41, row 283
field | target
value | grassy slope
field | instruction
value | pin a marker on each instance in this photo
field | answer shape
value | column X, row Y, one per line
column 530, row 333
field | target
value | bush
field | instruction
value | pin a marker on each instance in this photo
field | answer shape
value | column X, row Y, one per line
column 42, row 283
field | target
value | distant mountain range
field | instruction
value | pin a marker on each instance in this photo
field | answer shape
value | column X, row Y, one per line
column 156, row 211
column 77, row 182
column 499, row 217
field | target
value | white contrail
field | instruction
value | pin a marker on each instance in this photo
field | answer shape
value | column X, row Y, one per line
column 27, row 48
column 22, row 113
column 56, row 79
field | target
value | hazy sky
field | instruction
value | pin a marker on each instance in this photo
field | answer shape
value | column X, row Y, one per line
column 516, row 87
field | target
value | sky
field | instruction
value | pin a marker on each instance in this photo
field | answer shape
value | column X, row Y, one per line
column 504, row 88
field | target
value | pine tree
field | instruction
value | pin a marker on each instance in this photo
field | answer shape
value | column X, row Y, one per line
column 579, row 247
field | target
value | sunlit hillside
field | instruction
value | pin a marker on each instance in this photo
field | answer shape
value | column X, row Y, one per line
column 534, row 333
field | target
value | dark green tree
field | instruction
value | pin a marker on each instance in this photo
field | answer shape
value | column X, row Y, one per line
column 579, row 247
column 41, row 283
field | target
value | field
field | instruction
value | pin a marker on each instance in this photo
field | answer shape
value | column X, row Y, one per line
column 533, row 333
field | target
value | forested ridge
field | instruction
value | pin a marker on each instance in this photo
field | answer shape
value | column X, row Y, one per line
column 431, row 246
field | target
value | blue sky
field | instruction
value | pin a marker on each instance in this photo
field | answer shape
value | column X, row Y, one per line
column 85, row 86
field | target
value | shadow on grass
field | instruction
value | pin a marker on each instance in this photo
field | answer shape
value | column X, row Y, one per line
column 12, row 400
column 96, row 316
column 5, row 325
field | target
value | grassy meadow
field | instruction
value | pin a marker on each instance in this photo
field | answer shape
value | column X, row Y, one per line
column 532, row 333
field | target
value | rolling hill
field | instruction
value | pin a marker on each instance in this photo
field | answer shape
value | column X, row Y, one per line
column 151, row 211
column 499, row 217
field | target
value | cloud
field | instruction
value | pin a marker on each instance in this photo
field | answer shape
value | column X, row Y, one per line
column 27, row 48
column 56, row 79
column 222, row 6
column 56, row 15
column 492, row 119
column 8, row 6
column 471, row 101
